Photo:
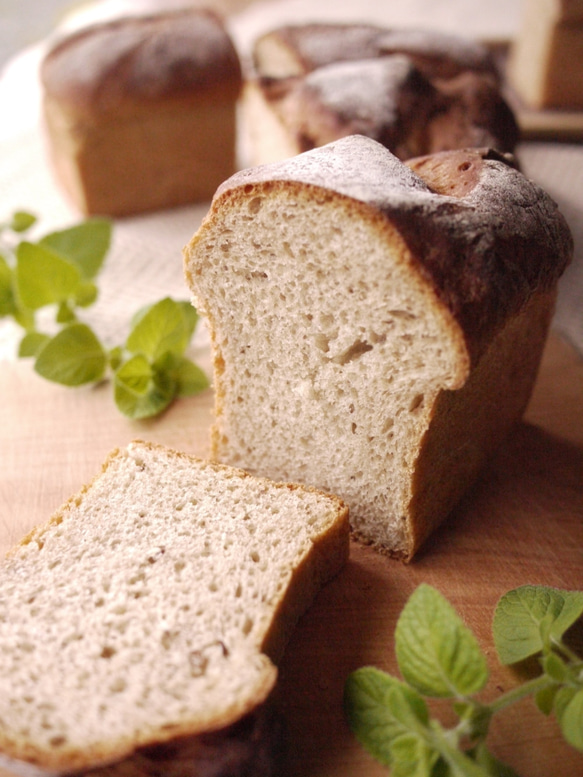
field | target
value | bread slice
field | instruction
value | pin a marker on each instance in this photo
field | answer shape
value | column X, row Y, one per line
column 374, row 333
column 151, row 606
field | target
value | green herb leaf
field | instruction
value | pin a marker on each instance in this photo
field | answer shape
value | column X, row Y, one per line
column 85, row 245
column 571, row 720
column 43, row 277
column 22, row 220
column 7, row 301
column 527, row 616
column 141, row 391
column 545, row 698
column 65, row 314
column 188, row 376
column 72, row 357
column 86, row 294
column 411, row 756
column 370, row 703
column 160, row 328
column 32, row 343
column 437, row 654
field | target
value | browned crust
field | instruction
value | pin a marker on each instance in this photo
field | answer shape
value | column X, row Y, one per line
column 468, row 425
column 142, row 59
column 314, row 45
column 449, row 99
column 484, row 252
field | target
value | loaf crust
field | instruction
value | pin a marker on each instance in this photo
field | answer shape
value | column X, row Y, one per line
column 470, row 244
column 140, row 112
column 414, row 91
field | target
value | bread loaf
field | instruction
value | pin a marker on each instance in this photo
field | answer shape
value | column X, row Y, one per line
column 376, row 327
column 140, row 112
column 413, row 91
column 546, row 59
column 140, row 624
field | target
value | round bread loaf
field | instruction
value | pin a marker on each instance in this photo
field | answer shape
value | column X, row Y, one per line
column 413, row 91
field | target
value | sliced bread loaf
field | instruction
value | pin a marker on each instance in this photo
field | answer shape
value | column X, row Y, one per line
column 151, row 606
column 377, row 327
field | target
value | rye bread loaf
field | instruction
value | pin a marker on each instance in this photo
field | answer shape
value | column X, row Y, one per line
column 140, row 112
column 376, row 327
column 138, row 627
column 414, row 91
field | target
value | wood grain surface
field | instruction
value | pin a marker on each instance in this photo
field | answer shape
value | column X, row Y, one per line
column 522, row 523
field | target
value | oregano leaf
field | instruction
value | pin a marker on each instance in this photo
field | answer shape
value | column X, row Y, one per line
column 73, row 357
column 526, row 617
column 188, row 376
column 160, row 328
column 85, row 245
column 411, row 756
column 43, row 277
column 437, row 654
column 545, row 698
column 571, row 720
column 140, row 391
column 7, row 302
column 22, row 220
column 368, row 708
column 32, row 343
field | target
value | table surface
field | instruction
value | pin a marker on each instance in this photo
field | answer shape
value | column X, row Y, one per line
column 522, row 523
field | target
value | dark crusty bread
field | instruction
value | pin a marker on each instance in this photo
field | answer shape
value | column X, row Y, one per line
column 294, row 50
column 140, row 111
column 376, row 327
column 416, row 92
column 138, row 627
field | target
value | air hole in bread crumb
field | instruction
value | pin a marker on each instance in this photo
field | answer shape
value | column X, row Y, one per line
column 416, row 403
column 247, row 626
column 213, row 587
column 255, row 556
column 107, row 652
column 353, row 428
column 118, row 686
column 464, row 167
column 58, row 741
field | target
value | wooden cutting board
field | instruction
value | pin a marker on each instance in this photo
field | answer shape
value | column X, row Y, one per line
column 522, row 523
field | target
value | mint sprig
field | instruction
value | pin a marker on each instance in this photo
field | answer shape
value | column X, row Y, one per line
column 438, row 656
column 58, row 273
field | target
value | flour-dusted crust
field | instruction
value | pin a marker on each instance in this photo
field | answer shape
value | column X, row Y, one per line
column 485, row 235
column 149, row 612
column 305, row 47
column 140, row 112
column 122, row 63
column 416, row 92
column 377, row 327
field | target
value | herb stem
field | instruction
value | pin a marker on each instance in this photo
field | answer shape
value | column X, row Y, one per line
column 567, row 652
column 520, row 692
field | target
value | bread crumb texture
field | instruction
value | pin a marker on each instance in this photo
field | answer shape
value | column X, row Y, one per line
column 344, row 296
column 140, row 611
